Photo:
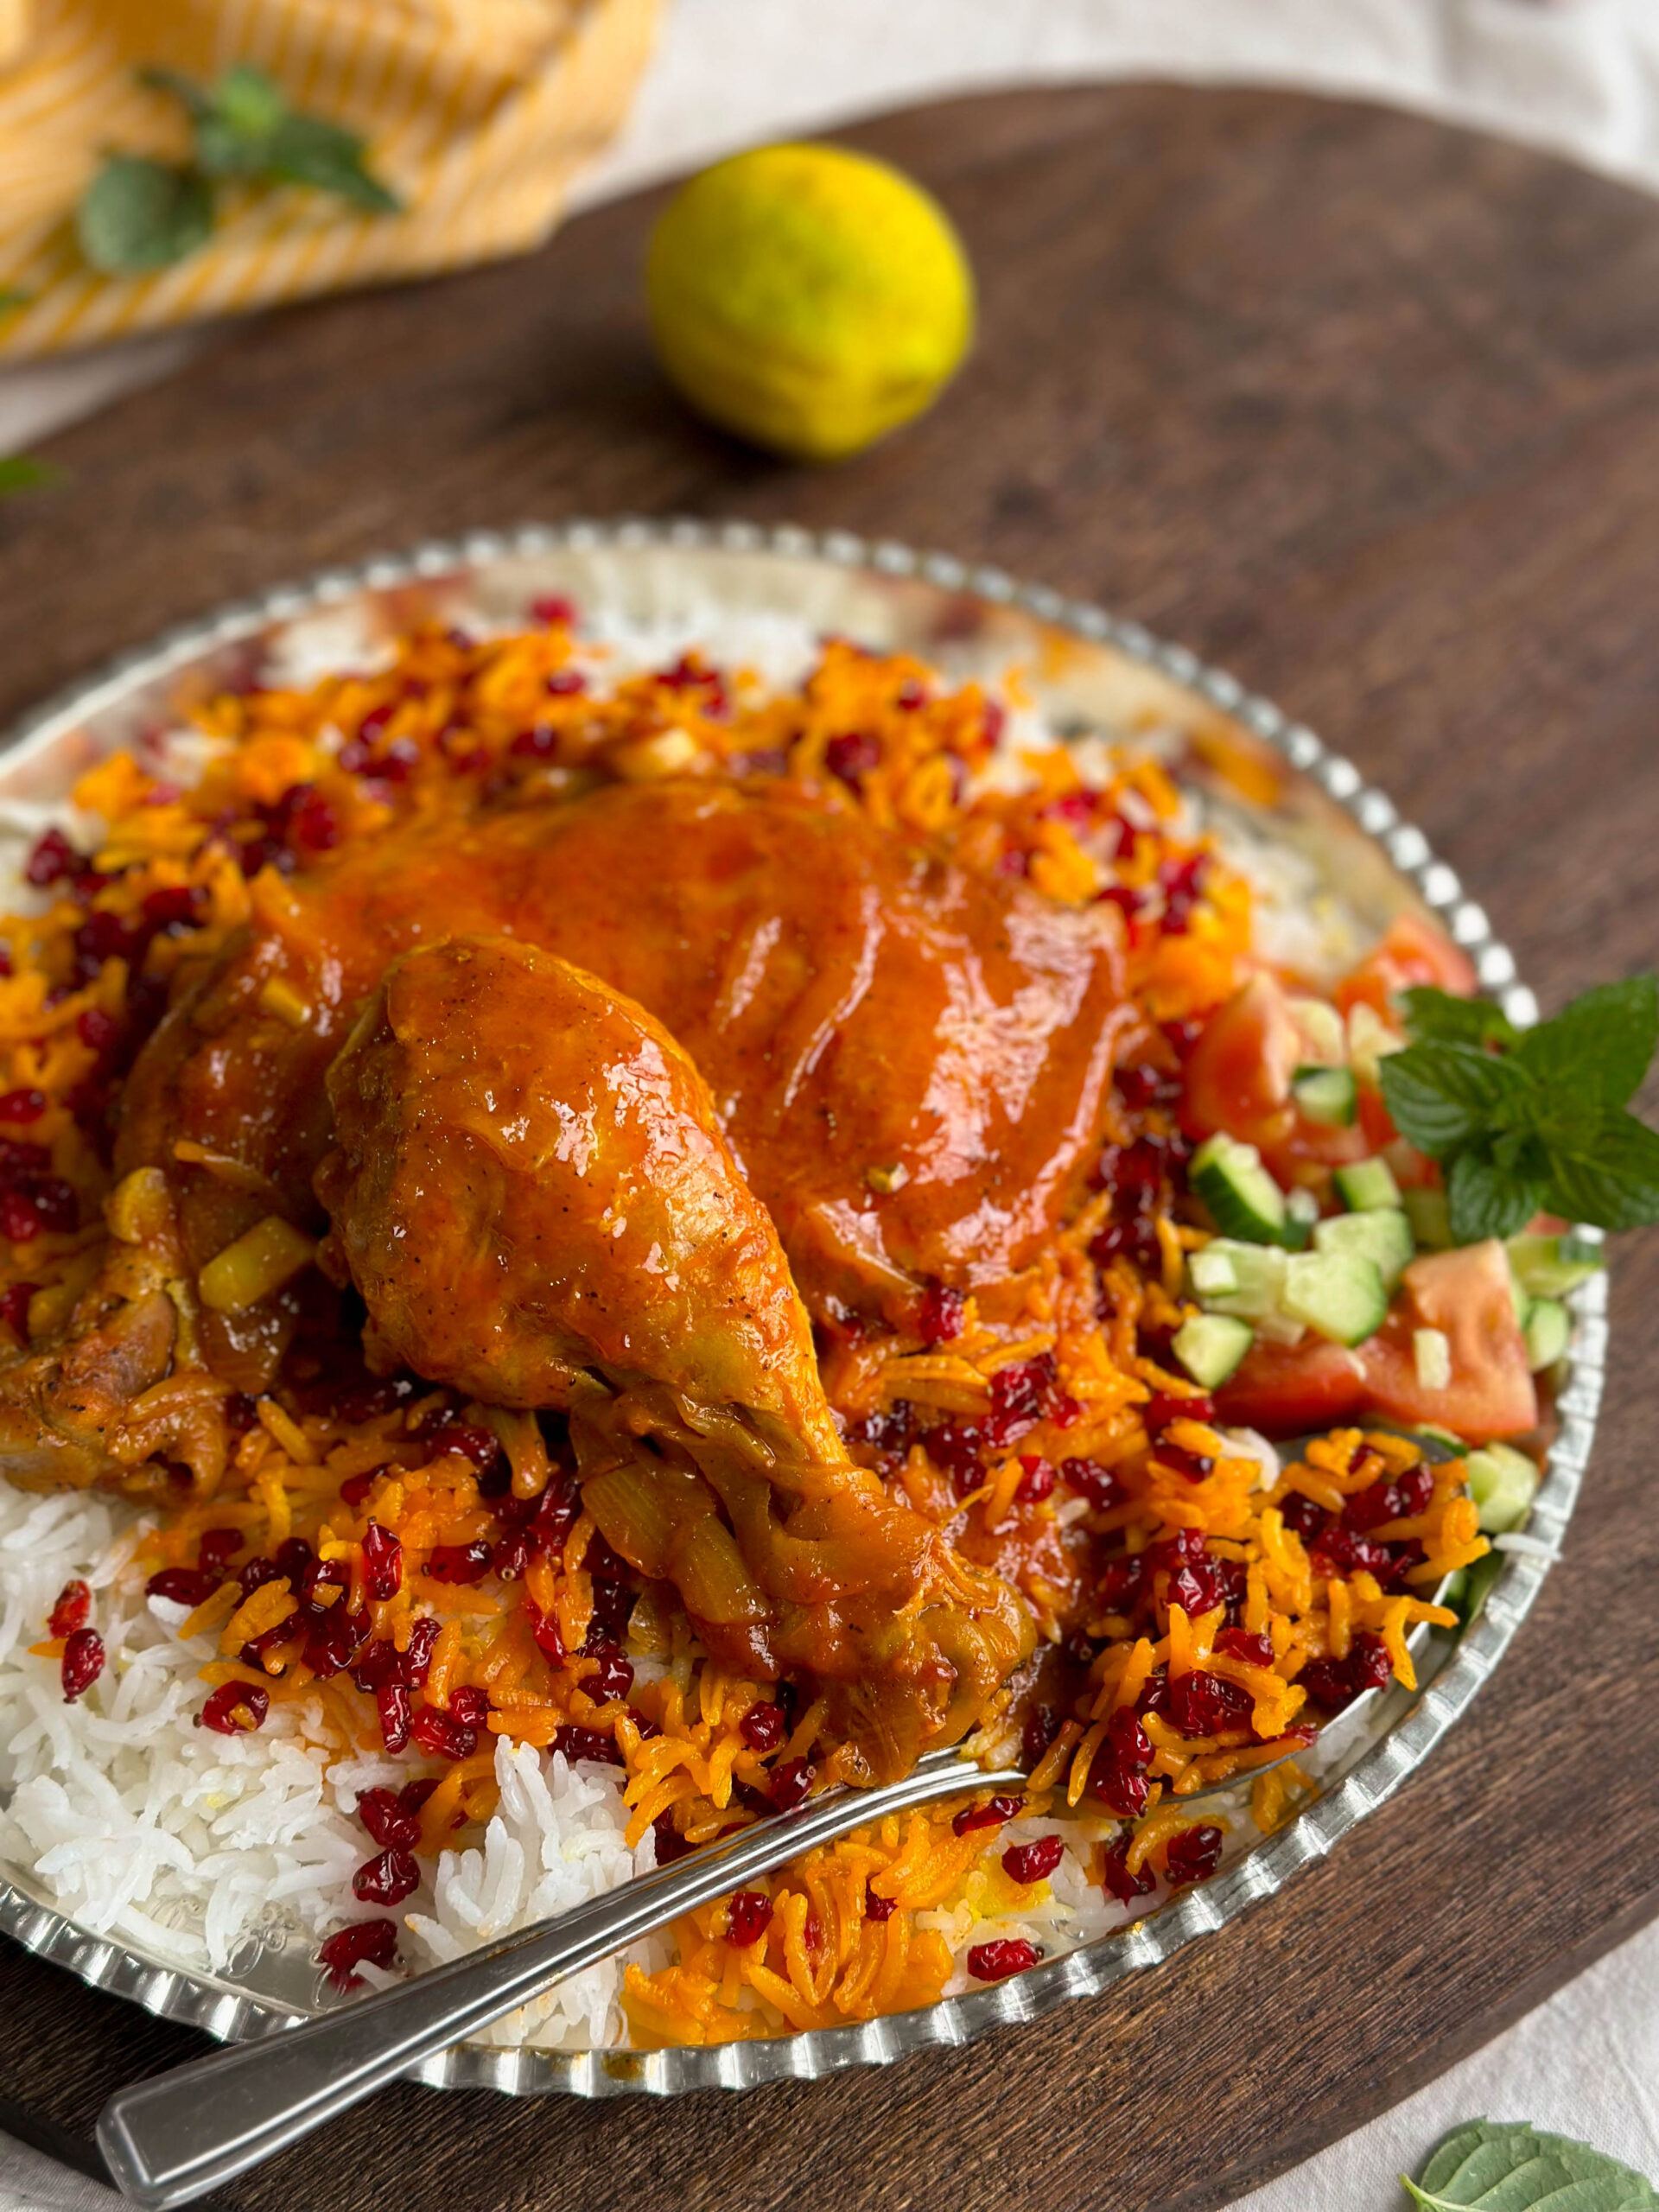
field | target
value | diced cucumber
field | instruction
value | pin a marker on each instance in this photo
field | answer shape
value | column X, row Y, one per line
column 1503, row 1482
column 1328, row 1095
column 1465, row 1590
column 1246, row 1280
column 1438, row 1445
column 1277, row 1328
column 1548, row 1267
column 1367, row 1186
column 1383, row 1235
column 1340, row 1294
column 1547, row 1328
column 1211, row 1273
column 1430, row 1218
column 1321, row 1025
column 1301, row 1211
column 1211, row 1345
column 1431, row 1353
column 1243, row 1197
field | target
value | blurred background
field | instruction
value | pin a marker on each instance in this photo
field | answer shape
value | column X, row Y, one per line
column 492, row 116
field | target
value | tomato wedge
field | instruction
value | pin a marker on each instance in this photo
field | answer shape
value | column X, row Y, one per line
column 1410, row 952
column 1288, row 1389
column 1237, row 1078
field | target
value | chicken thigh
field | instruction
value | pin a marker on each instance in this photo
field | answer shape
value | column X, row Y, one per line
column 532, row 1192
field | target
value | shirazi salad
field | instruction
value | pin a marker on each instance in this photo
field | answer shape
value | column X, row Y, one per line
column 595, row 1243
column 1390, row 1178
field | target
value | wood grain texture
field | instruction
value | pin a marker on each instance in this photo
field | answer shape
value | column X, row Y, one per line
column 1367, row 411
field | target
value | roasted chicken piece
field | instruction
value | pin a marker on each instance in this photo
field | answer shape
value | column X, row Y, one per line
column 532, row 1192
column 909, row 1063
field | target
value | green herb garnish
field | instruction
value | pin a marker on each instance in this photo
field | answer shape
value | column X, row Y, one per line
column 1521, row 1120
column 21, row 471
column 1507, row 2166
column 140, row 213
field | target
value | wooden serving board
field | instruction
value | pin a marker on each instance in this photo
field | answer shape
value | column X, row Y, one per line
column 1365, row 408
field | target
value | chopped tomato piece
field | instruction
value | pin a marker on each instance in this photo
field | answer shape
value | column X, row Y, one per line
column 1411, row 952
column 1286, row 1390
column 1238, row 1077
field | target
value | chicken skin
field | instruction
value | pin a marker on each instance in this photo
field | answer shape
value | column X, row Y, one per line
column 532, row 1191
column 911, row 1064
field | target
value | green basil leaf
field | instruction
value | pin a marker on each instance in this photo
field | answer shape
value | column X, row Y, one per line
column 1510, row 2167
column 1488, row 1198
column 1438, row 1017
column 12, row 297
column 139, row 214
column 1443, row 1096
column 1611, row 1180
column 304, row 149
column 1599, row 1046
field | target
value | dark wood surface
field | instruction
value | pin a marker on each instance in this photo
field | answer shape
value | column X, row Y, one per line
column 1363, row 408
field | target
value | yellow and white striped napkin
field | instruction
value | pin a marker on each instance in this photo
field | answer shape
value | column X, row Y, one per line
column 477, row 113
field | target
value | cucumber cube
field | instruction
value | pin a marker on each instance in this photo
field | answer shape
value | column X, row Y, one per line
column 1383, row 1235
column 1548, row 1267
column 1366, row 1184
column 1243, row 1199
column 1327, row 1096
column 1503, row 1482
column 1547, row 1328
column 1430, row 1218
column 1211, row 1345
column 1244, row 1280
column 1339, row 1294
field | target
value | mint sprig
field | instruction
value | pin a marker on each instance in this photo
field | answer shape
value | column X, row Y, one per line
column 139, row 214
column 1521, row 1120
column 1508, row 2167
column 21, row 471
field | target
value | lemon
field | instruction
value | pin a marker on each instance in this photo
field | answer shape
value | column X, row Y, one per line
column 808, row 298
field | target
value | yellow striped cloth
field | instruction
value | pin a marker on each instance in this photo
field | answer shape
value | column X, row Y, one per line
column 477, row 113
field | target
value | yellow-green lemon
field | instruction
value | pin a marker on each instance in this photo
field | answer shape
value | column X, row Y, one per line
column 808, row 298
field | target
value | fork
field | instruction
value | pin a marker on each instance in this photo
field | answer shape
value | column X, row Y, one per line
column 173, row 2137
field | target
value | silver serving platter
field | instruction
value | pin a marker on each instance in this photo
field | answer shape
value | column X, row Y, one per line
column 1084, row 668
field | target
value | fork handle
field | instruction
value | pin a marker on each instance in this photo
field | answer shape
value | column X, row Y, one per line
column 174, row 2137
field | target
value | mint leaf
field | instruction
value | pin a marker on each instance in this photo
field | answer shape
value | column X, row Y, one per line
column 1508, row 2167
column 249, row 102
column 189, row 95
column 139, row 214
column 1613, row 1179
column 1488, row 1198
column 1600, row 1044
column 304, row 149
column 233, row 137
column 1436, row 1016
column 21, row 471
column 1444, row 1096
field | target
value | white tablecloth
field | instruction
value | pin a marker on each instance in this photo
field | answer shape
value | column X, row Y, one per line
column 1580, row 77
